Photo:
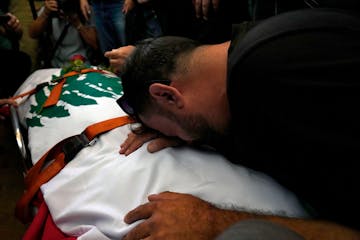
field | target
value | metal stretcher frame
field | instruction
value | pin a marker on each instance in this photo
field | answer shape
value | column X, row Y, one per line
column 21, row 140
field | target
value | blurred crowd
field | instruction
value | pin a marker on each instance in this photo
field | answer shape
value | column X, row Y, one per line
column 104, row 31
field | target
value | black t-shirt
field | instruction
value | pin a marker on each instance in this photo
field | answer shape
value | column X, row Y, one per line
column 295, row 103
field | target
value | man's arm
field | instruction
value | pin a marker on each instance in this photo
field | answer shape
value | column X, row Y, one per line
column 174, row 216
column 307, row 228
column 39, row 25
column 87, row 33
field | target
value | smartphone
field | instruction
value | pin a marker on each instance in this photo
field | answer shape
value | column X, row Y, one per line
column 4, row 19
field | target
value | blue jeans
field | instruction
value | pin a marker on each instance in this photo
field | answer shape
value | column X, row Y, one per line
column 110, row 23
column 153, row 28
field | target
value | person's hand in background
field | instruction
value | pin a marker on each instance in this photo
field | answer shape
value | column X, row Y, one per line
column 85, row 9
column 202, row 7
column 118, row 56
column 4, row 107
column 13, row 26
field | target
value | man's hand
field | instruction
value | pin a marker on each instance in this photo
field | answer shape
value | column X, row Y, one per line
column 8, row 101
column 13, row 26
column 157, row 142
column 85, row 9
column 173, row 216
column 4, row 107
column 202, row 7
column 128, row 6
column 50, row 6
column 118, row 56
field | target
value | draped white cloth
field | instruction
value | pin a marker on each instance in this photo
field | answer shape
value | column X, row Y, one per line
column 91, row 195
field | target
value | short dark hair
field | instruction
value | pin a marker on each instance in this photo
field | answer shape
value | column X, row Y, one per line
column 152, row 59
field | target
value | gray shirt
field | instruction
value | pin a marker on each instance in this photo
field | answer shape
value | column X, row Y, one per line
column 71, row 44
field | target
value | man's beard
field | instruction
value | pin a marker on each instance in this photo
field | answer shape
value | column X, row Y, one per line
column 199, row 129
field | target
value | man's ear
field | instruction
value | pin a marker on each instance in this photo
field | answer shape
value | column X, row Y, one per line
column 167, row 95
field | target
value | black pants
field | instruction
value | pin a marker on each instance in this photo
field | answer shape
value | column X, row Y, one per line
column 15, row 67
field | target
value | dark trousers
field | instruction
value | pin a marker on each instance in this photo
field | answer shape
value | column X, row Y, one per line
column 15, row 67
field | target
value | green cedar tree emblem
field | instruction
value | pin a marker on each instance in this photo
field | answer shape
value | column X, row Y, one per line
column 76, row 91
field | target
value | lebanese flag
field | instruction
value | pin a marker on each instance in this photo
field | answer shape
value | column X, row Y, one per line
column 43, row 227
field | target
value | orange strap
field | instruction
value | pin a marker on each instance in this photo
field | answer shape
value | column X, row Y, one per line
column 54, row 94
column 56, row 91
column 61, row 81
column 39, row 174
column 32, row 91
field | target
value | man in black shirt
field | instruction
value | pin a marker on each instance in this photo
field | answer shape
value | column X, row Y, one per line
column 281, row 100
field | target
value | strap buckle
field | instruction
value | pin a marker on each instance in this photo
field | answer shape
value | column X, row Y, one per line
column 74, row 145
column 41, row 86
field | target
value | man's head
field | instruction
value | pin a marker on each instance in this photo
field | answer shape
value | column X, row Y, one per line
column 153, row 60
column 150, row 81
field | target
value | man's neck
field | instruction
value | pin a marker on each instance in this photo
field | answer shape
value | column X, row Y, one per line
column 208, row 87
